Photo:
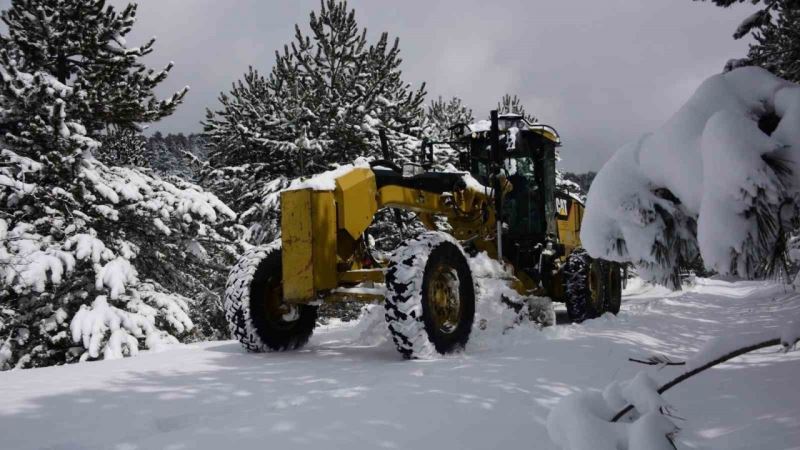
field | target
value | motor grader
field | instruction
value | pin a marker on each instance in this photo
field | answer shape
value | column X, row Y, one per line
column 504, row 201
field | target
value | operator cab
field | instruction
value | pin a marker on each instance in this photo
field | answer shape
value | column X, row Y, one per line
column 526, row 158
column 527, row 161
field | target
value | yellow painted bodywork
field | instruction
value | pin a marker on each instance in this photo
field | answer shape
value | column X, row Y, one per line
column 321, row 231
column 309, row 243
column 356, row 201
column 320, row 228
column 298, row 253
column 569, row 228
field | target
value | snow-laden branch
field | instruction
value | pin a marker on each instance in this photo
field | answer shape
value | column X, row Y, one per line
column 710, row 182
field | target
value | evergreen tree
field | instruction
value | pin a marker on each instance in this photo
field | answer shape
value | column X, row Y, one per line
column 124, row 147
column 330, row 90
column 777, row 46
column 774, row 28
column 82, row 43
column 97, row 260
column 243, row 129
column 324, row 103
column 441, row 119
column 513, row 105
column 733, row 224
column 174, row 155
column 443, row 115
column 577, row 183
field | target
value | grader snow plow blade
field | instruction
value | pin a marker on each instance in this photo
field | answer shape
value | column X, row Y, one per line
column 308, row 221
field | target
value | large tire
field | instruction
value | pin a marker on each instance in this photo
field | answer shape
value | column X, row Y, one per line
column 430, row 298
column 582, row 291
column 593, row 286
column 613, row 291
column 252, row 299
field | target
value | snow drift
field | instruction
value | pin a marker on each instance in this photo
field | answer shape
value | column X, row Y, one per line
column 715, row 180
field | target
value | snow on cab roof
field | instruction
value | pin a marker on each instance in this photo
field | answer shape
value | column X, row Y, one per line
column 515, row 123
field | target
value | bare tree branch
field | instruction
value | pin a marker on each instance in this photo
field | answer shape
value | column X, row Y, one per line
column 691, row 373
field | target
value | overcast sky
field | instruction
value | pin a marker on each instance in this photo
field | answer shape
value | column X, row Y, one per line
column 601, row 72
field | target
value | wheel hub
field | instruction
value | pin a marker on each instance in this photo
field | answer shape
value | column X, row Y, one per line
column 444, row 299
column 279, row 313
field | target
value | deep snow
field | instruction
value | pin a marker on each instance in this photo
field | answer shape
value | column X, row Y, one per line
column 347, row 389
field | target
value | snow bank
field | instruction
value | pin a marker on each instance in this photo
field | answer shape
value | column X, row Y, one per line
column 788, row 334
column 582, row 421
column 498, row 306
column 709, row 181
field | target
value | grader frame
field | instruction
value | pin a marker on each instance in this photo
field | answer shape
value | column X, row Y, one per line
column 505, row 202
column 322, row 229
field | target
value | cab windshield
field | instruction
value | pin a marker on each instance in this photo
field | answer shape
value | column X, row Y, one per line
column 522, row 166
column 512, row 167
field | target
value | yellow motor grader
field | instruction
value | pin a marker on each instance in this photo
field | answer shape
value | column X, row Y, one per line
column 504, row 202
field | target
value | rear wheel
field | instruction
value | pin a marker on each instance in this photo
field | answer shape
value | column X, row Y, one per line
column 583, row 286
column 430, row 299
column 254, row 307
column 613, row 288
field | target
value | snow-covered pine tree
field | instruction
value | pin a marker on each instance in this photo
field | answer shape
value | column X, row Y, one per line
column 323, row 103
column 443, row 115
column 93, row 258
column 173, row 155
column 82, row 43
column 330, row 89
column 124, row 147
column 440, row 118
column 513, row 105
column 236, row 133
column 777, row 46
column 774, row 28
column 582, row 180
column 717, row 181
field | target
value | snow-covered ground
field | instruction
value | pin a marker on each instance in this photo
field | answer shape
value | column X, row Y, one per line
column 345, row 390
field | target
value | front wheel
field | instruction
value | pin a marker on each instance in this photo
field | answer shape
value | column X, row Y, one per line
column 430, row 298
column 254, row 307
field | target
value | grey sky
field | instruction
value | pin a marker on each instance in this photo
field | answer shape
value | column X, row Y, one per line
column 601, row 72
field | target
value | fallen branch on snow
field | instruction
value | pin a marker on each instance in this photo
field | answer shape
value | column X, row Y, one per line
column 658, row 360
column 686, row 375
column 586, row 420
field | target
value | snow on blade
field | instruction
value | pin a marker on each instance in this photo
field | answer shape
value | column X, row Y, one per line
column 326, row 181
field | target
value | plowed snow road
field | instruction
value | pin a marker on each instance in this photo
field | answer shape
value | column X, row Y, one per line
column 351, row 392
